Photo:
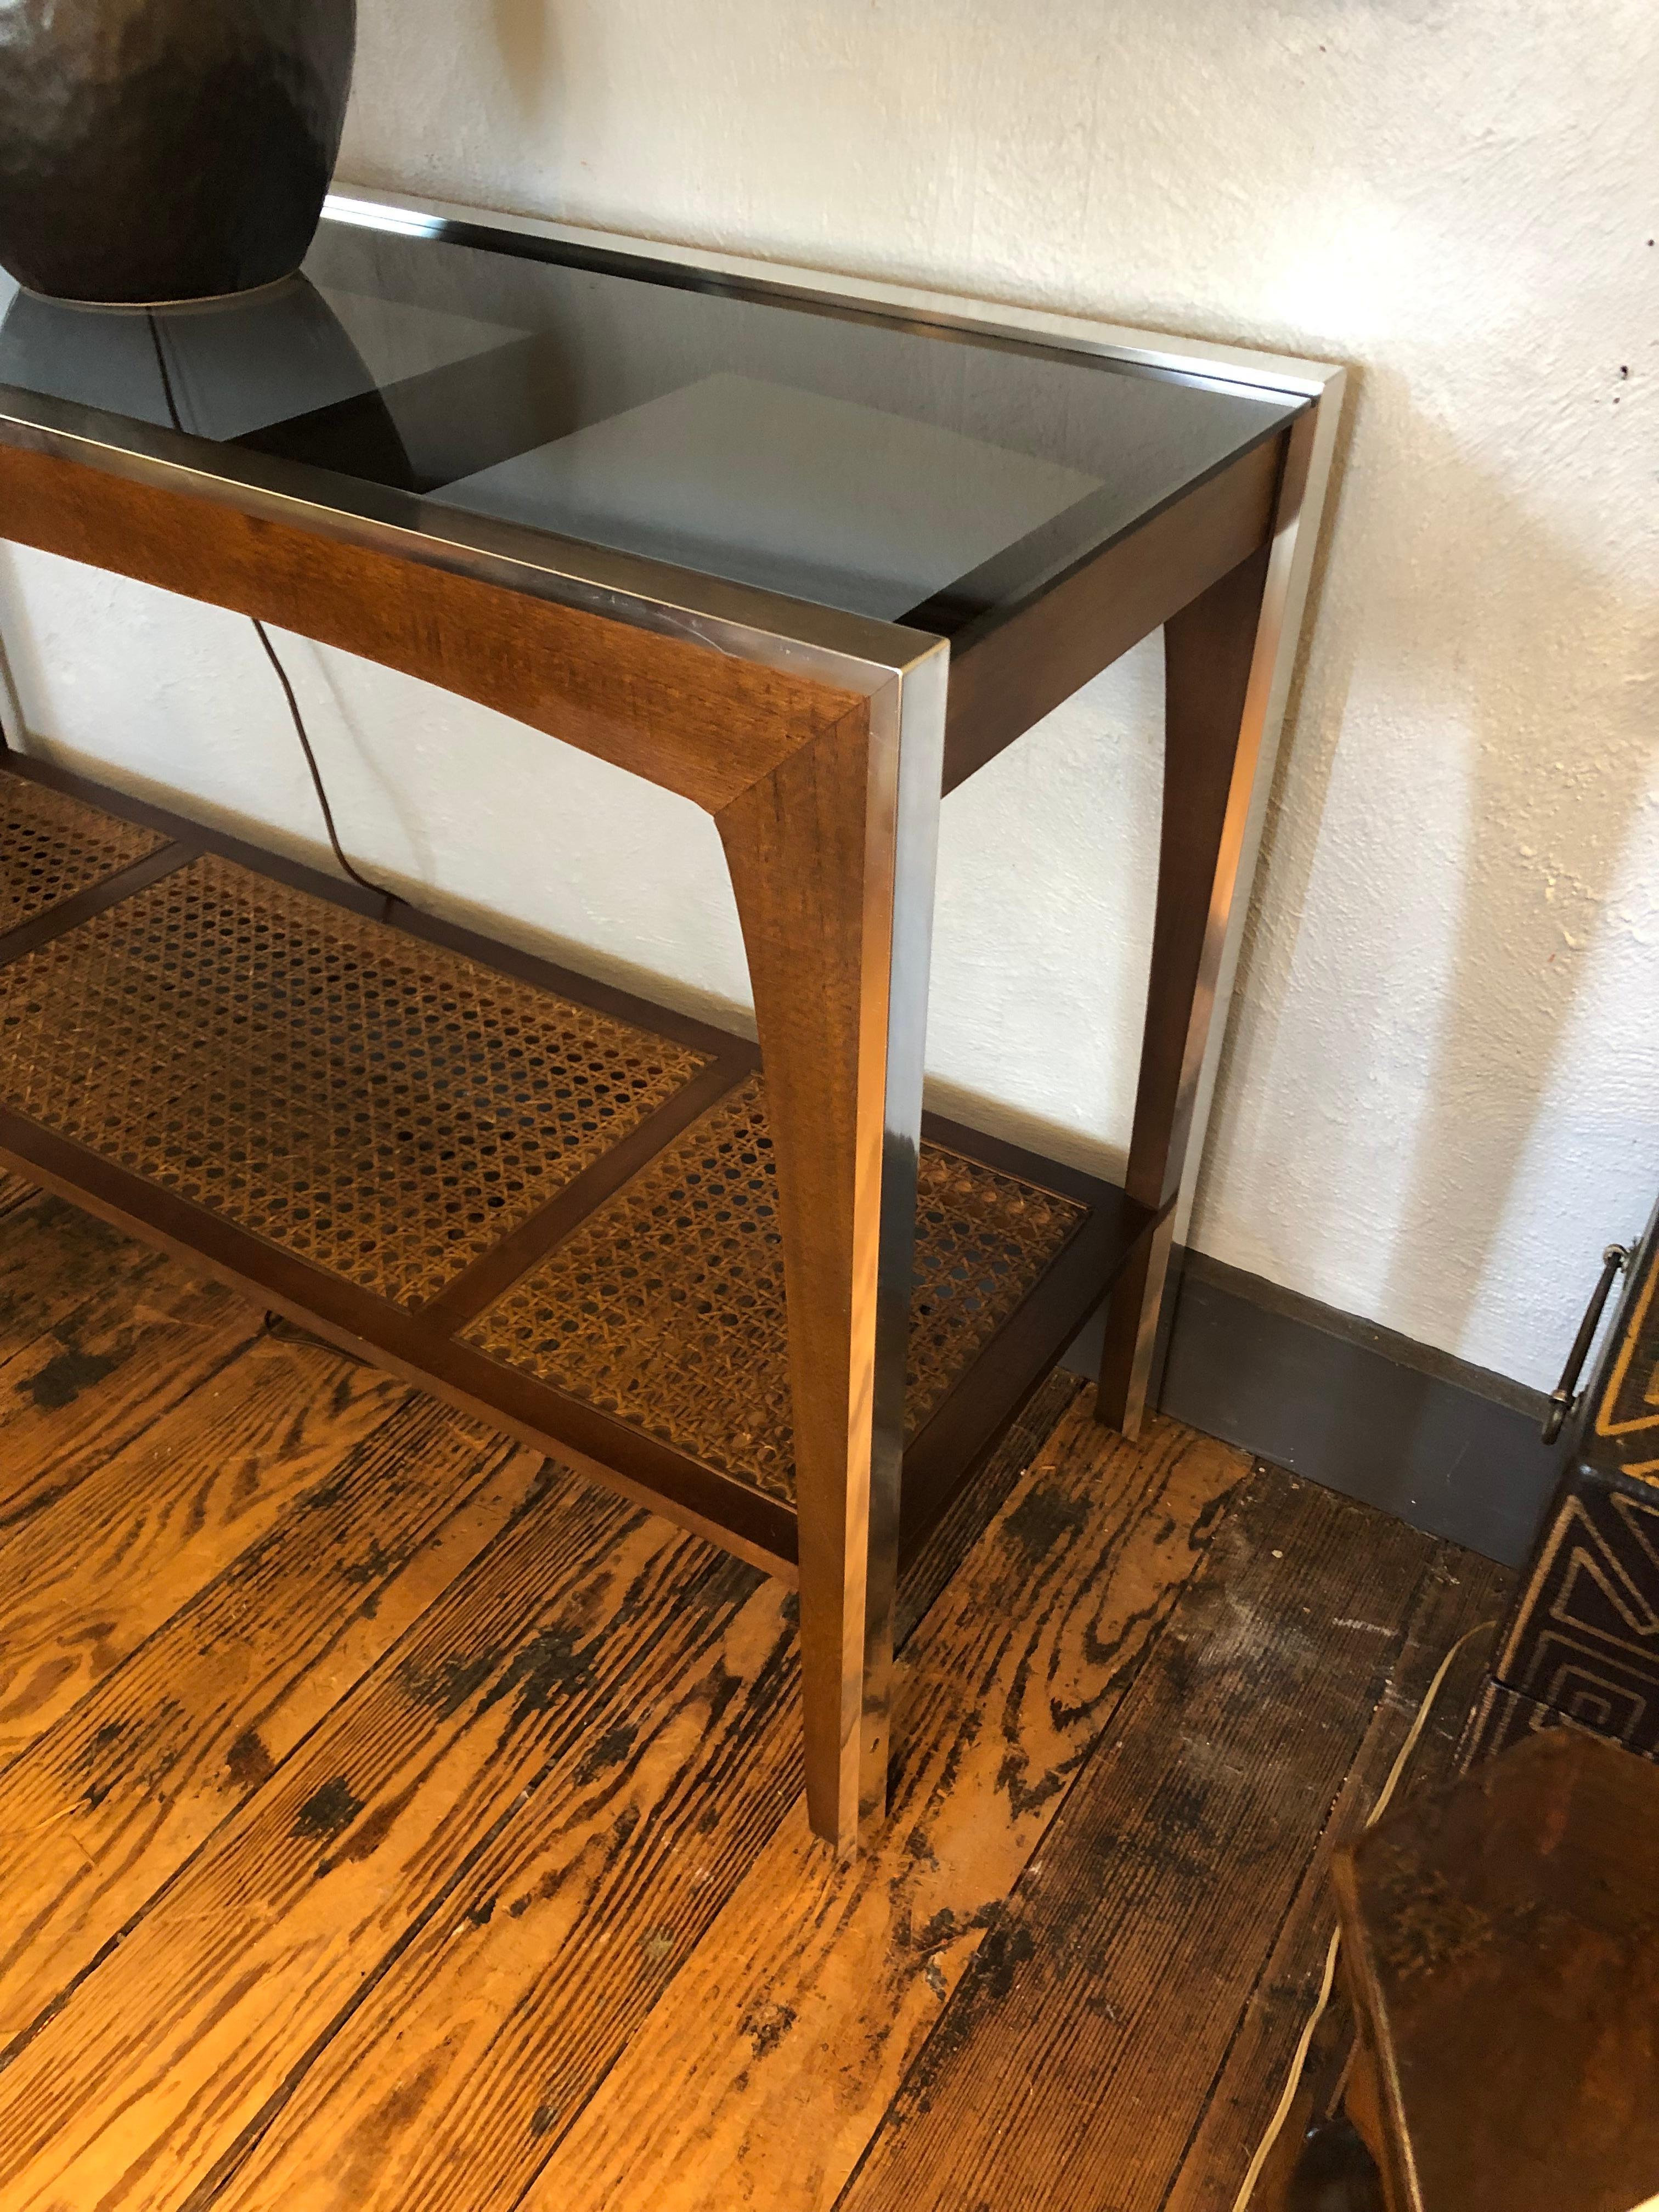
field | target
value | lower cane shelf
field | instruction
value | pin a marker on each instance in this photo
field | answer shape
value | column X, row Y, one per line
column 546, row 1200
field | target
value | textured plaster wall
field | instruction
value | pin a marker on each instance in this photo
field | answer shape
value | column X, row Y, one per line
column 1440, row 1095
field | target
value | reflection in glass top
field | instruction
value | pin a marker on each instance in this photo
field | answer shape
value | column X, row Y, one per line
column 836, row 456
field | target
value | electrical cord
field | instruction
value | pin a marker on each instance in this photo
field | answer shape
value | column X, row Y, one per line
column 377, row 891
column 1299, row 2058
column 11, row 708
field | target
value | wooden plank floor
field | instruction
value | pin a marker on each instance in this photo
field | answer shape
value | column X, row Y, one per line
column 390, row 1820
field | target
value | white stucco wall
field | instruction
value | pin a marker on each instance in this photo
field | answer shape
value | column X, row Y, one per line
column 1441, row 1095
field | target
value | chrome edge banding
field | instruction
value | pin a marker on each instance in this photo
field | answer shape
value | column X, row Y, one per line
column 412, row 216
column 945, row 311
column 1303, row 489
column 906, row 755
column 794, row 635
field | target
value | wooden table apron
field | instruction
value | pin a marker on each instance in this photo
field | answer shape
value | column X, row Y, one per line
column 825, row 794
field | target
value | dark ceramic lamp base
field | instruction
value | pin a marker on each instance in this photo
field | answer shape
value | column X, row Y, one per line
column 162, row 152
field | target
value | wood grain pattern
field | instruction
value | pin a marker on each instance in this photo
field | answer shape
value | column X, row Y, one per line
column 427, row 1829
column 796, row 846
column 640, row 1466
column 466, row 2063
column 798, row 842
column 479, row 2047
column 16, row 1193
column 1048, row 2078
column 131, row 1543
column 141, row 2087
column 796, row 2019
column 954, row 1535
column 758, row 1526
column 105, row 1374
column 684, row 716
column 53, row 1259
column 1448, row 1608
column 1209, row 768
column 1213, row 723
column 97, row 1817
column 1018, row 667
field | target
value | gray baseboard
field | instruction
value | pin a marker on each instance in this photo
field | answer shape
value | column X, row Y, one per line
column 1446, row 1446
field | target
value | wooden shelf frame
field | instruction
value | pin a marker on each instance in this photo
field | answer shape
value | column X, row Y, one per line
column 427, row 1346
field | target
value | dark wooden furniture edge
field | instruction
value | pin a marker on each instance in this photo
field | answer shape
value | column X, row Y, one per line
column 1528, row 1881
column 956, row 1442
column 81, row 906
column 1008, row 673
column 496, row 1270
column 1008, row 669
column 679, row 712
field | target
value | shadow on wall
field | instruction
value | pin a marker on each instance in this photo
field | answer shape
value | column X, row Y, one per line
column 1556, row 778
column 524, row 38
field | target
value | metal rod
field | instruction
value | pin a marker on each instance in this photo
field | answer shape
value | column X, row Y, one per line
column 1564, row 1396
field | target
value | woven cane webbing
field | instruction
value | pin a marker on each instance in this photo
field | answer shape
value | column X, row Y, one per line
column 666, row 1308
column 51, row 847
column 380, row 1107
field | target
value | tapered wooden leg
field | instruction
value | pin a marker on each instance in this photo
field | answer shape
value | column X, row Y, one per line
column 823, row 869
column 1212, row 725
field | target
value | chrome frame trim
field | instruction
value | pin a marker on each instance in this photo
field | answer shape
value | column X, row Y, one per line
column 906, row 770
column 905, row 754
column 794, row 635
column 1303, row 487
column 743, row 619
column 410, row 215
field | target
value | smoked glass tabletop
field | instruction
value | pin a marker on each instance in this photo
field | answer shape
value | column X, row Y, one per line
column 836, row 454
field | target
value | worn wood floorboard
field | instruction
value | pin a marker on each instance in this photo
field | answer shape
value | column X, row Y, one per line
column 796, row 2019
column 580, row 1615
column 395, row 1822
column 98, row 1816
column 15, row 1193
column 122, row 1551
column 103, row 1375
column 464, row 2067
column 981, row 1498
column 1458, row 1594
column 504, row 2015
column 465, row 2064
column 1049, row 2082
column 52, row 1258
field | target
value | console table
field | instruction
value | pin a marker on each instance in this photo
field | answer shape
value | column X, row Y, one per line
column 808, row 552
